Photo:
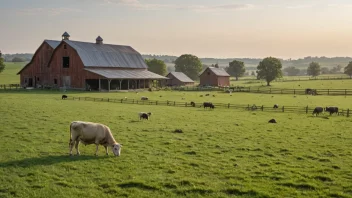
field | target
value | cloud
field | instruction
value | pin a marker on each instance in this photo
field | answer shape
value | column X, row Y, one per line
column 137, row 4
column 45, row 11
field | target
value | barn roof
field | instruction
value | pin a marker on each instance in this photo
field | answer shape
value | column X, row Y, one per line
column 107, row 55
column 181, row 77
column 126, row 74
column 52, row 43
column 216, row 71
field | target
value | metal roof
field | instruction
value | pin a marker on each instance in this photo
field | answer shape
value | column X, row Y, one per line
column 181, row 77
column 217, row 71
column 126, row 74
column 107, row 55
column 52, row 43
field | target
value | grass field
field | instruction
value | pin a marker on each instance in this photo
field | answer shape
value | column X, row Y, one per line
column 221, row 153
column 8, row 76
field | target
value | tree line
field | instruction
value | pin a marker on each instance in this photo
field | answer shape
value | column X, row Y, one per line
column 268, row 69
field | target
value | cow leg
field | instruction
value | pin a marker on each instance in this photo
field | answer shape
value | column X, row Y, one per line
column 106, row 150
column 76, row 147
column 96, row 150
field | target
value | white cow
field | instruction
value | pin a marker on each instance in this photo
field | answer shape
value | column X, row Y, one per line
column 92, row 133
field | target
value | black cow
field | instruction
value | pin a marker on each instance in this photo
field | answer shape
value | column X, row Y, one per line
column 332, row 110
column 208, row 104
column 145, row 116
column 318, row 110
column 276, row 106
column 64, row 97
column 272, row 121
column 193, row 104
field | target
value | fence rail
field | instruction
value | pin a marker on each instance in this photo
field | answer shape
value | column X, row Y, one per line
column 332, row 92
column 344, row 77
column 287, row 109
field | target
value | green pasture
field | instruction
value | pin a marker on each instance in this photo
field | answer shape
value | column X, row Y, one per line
column 8, row 76
column 221, row 152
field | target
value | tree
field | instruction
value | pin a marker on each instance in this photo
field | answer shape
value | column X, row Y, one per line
column 189, row 65
column 291, row 71
column 253, row 73
column 348, row 69
column 2, row 65
column 17, row 59
column 313, row 69
column 236, row 68
column 156, row 66
column 269, row 69
column 325, row 70
column 216, row 65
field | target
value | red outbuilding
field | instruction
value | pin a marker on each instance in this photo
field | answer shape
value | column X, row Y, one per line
column 213, row 76
column 178, row 79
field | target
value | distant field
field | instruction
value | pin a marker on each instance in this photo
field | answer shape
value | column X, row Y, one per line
column 8, row 76
column 221, row 153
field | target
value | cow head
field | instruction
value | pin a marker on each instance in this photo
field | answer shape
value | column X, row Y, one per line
column 116, row 149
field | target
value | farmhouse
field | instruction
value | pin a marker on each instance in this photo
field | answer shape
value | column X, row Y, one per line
column 213, row 76
column 178, row 79
column 83, row 65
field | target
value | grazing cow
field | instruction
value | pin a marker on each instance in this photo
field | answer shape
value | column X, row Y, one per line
column 213, row 95
column 64, row 97
column 332, row 110
column 276, row 106
column 144, row 98
column 208, row 104
column 92, row 133
column 318, row 110
column 193, row 104
column 143, row 115
column 207, row 94
column 272, row 121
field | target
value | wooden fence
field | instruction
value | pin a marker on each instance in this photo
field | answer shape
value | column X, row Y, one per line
column 10, row 86
column 300, row 78
column 287, row 109
column 332, row 92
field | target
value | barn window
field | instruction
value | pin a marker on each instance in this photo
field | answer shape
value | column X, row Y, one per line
column 65, row 47
column 208, row 73
column 38, row 79
column 65, row 62
column 55, row 81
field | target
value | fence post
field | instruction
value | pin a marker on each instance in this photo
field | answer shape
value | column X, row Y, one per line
column 156, row 102
column 121, row 100
column 262, row 107
column 174, row 103
column 228, row 106
column 294, row 91
column 307, row 109
column 248, row 107
column 345, row 92
column 328, row 92
column 283, row 108
column 270, row 90
column 348, row 112
column 108, row 99
column 186, row 104
column 281, row 91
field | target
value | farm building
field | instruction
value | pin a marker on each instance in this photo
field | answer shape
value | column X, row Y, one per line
column 213, row 76
column 178, row 79
column 84, row 65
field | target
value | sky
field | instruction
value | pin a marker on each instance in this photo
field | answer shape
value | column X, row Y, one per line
column 205, row 28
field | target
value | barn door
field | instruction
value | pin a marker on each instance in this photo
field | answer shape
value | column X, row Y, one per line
column 66, row 81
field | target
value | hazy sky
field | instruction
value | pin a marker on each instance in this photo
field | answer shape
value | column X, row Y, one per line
column 205, row 28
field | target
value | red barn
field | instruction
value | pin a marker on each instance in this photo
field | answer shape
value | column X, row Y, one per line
column 83, row 65
column 213, row 76
column 178, row 79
